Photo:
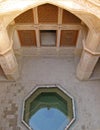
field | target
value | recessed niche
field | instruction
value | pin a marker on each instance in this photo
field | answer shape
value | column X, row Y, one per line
column 48, row 37
column 68, row 38
column 27, row 37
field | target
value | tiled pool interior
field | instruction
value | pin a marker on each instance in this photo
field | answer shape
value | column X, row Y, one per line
column 48, row 108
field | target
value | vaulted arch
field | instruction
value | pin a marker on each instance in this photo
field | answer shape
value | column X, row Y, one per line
column 87, row 11
column 82, row 11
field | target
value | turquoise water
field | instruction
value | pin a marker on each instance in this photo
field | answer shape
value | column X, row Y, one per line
column 48, row 119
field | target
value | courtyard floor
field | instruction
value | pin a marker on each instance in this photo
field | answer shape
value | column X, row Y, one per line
column 50, row 70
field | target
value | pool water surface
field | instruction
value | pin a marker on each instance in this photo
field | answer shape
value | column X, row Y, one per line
column 47, row 119
column 48, row 109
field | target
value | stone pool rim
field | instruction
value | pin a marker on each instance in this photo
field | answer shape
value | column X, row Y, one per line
column 48, row 86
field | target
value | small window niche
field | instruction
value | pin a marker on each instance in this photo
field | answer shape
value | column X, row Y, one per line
column 48, row 37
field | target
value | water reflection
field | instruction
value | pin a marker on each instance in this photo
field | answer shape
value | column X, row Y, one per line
column 48, row 118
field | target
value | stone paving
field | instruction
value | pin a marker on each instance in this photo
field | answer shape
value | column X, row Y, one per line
column 50, row 70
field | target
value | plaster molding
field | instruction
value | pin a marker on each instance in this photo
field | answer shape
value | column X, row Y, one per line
column 6, row 41
column 7, row 50
column 20, row 5
column 91, row 6
column 90, row 51
column 8, row 62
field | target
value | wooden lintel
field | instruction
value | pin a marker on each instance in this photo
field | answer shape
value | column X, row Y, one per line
column 48, row 27
column 71, row 27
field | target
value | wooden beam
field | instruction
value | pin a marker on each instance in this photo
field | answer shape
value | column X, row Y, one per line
column 35, row 12
column 48, row 26
column 60, row 14
column 25, row 26
column 71, row 26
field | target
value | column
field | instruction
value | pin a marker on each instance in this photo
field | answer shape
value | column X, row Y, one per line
column 7, row 58
column 86, row 65
column 81, row 36
column 93, row 41
column 79, row 46
column 9, row 65
column 89, row 57
column 58, row 37
column 37, row 37
column 4, row 41
column 16, row 41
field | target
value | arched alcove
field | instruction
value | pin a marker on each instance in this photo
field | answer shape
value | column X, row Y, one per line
column 82, row 10
column 86, row 14
column 64, row 25
column 72, row 6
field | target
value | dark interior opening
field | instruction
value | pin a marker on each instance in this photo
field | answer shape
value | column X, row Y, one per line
column 48, row 37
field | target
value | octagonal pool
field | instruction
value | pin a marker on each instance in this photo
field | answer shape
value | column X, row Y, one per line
column 48, row 108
